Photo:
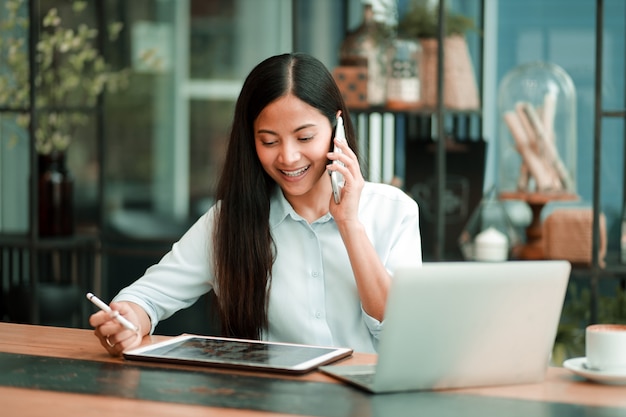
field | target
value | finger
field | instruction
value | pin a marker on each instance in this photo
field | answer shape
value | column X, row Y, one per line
column 99, row 318
column 340, row 169
column 114, row 348
column 344, row 158
column 345, row 148
column 108, row 328
column 121, row 307
column 110, row 340
column 350, row 170
column 116, row 344
column 130, row 340
column 109, row 343
column 348, row 159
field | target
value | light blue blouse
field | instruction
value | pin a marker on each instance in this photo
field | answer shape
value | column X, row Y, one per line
column 313, row 297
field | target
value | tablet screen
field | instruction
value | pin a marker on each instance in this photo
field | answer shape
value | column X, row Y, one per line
column 216, row 351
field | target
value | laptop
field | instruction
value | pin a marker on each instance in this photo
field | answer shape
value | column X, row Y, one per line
column 465, row 324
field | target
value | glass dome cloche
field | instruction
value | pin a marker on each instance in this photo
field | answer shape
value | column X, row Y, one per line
column 537, row 133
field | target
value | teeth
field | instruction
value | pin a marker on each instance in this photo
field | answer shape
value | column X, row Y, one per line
column 295, row 173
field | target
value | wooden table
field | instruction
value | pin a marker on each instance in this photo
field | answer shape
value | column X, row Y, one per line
column 64, row 372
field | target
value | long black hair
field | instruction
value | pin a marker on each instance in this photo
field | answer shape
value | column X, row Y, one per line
column 243, row 248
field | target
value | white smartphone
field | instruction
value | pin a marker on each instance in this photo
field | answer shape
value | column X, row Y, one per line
column 336, row 179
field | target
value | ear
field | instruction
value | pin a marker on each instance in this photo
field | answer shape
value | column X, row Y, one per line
column 338, row 114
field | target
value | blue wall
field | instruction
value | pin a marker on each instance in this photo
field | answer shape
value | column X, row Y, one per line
column 563, row 32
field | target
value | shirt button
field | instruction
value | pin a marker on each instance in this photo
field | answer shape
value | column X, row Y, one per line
column 315, row 274
column 318, row 314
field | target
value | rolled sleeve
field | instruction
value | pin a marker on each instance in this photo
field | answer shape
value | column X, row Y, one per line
column 374, row 326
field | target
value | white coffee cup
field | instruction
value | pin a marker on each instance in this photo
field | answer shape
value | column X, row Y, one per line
column 605, row 347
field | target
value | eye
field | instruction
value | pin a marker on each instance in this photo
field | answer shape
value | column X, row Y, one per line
column 266, row 140
column 306, row 138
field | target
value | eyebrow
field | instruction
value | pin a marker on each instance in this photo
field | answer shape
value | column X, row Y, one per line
column 299, row 128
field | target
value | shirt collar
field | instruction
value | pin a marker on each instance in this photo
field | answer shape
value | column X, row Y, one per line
column 280, row 209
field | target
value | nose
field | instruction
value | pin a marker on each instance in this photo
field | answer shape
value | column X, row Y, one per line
column 289, row 152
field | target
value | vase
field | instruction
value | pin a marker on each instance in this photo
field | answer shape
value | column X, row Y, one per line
column 369, row 47
column 56, row 189
column 460, row 87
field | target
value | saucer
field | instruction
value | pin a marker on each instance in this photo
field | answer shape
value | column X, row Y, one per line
column 579, row 367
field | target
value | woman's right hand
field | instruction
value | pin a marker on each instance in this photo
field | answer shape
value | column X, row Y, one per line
column 114, row 337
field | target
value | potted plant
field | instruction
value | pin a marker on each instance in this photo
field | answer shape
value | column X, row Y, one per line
column 421, row 21
column 71, row 74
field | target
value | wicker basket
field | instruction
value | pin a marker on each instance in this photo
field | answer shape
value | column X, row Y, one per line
column 567, row 234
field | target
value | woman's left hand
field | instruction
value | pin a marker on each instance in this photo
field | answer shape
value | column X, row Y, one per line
column 348, row 207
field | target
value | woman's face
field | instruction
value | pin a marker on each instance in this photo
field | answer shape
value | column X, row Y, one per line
column 292, row 140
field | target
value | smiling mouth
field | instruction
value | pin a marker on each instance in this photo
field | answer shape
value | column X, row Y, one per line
column 296, row 173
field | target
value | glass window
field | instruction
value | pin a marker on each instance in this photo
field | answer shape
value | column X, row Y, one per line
column 165, row 136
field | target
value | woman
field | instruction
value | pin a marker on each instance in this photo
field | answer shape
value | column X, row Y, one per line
column 286, row 262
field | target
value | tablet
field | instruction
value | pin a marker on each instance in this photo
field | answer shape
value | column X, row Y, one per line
column 239, row 353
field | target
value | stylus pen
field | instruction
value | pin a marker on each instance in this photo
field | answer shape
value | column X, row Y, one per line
column 115, row 314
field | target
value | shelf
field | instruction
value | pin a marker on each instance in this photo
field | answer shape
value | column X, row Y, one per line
column 42, row 281
column 59, row 243
column 613, row 113
column 426, row 112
